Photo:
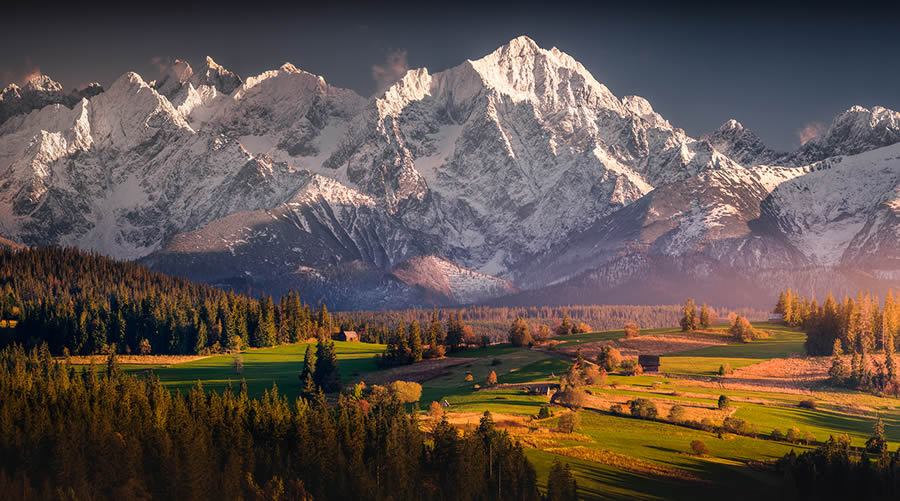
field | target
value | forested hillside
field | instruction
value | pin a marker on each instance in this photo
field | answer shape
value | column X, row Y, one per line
column 71, row 435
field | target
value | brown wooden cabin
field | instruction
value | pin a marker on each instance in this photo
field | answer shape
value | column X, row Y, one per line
column 346, row 336
column 650, row 363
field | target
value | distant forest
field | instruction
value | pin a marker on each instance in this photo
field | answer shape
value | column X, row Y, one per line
column 84, row 303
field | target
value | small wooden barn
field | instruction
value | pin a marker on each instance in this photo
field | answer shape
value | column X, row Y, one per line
column 346, row 336
column 650, row 363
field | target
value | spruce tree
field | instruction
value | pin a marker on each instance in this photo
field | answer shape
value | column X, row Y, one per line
column 307, row 382
column 327, row 374
column 838, row 371
column 705, row 320
column 689, row 314
column 415, row 340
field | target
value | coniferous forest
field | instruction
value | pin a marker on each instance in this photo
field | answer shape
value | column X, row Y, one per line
column 84, row 303
column 71, row 435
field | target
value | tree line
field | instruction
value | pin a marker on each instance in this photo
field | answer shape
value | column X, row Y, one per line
column 860, row 328
column 837, row 471
column 85, row 435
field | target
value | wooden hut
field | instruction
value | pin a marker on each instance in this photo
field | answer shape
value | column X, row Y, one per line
column 347, row 336
column 650, row 363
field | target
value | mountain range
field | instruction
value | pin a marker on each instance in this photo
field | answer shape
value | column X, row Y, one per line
column 516, row 178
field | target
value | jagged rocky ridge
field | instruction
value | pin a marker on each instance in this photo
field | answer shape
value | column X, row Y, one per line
column 514, row 172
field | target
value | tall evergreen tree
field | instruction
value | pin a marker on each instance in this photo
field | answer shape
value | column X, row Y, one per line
column 327, row 374
column 415, row 341
column 307, row 375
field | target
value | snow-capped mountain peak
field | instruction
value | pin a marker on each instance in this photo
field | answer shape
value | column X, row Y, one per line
column 507, row 172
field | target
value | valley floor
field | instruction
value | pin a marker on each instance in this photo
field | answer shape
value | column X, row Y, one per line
column 612, row 456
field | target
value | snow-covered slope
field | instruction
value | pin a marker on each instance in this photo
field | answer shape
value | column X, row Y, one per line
column 509, row 172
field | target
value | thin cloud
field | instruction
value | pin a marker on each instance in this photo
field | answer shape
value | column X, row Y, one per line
column 810, row 131
column 393, row 69
column 20, row 76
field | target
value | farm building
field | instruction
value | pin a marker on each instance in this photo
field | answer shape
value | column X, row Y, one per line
column 650, row 363
column 775, row 317
column 346, row 336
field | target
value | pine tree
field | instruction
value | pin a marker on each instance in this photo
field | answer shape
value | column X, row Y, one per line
column 566, row 326
column 327, row 374
column 705, row 320
column 415, row 341
column 838, row 371
column 689, row 315
column 307, row 382
column 561, row 485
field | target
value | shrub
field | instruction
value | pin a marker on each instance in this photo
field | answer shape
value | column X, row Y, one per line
column 807, row 404
column 541, row 334
column 677, row 414
column 778, row 435
column 569, row 422
column 643, row 408
column 609, row 358
column 520, row 333
column 735, row 425
column 617, row 409
column 484, row 341
column 706, row 424
column 631, row 367
column 741, row 330
column 793, row 435
column 469, row 377
column 491, row 379
column 808, row 438
column 572, row 398
column 699, row 448
column 405, row 392
column 631, row 330
column 581, row 328
column 725, row 369
column 724, row 402
column 435, row 410
column 544, row 413
column 496, row 361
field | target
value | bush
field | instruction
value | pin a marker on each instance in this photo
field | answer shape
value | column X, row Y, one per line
column 609, row 358
column 631, row 367
column 807, row 404
column 520, row 333
column 643, row 408
column 491, row 379
column 631, row 330
column 724, row 402
column 541, row 334
column 808, row 438
column 569, row 422
column 699, row 448
column 778, row 435
column 706, row 424
column 545, row 412
column 735, row 425
column 496, row 361
column 725, row 369
column 435, row 410
column 677, row 414
column 617, row 409
column 404, row 392
column 469, row 377
column 572, row 398
column 484, row 341
column 793, row 435
column 581, row 328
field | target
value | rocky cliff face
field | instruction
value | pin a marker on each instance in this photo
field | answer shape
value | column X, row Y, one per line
column 515, row 172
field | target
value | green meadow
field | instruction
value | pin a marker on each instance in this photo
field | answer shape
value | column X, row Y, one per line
column 638, row 446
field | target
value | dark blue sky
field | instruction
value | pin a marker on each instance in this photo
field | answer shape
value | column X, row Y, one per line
column 777, row 69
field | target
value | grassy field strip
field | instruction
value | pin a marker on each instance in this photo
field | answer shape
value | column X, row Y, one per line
column 263, row 367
